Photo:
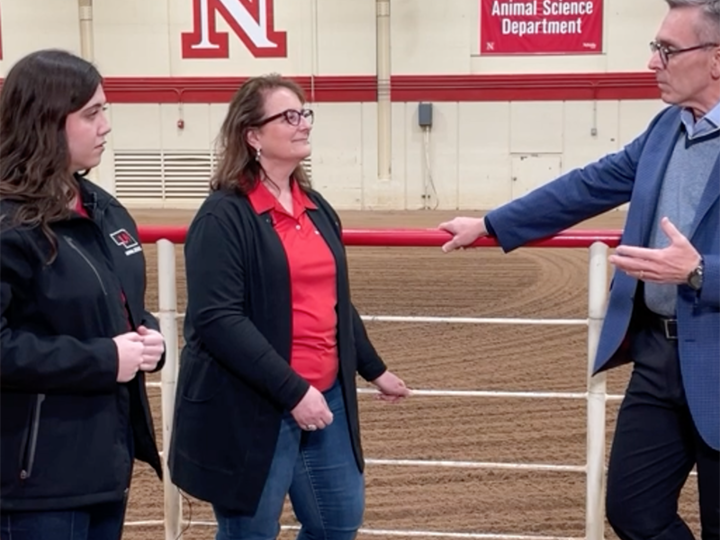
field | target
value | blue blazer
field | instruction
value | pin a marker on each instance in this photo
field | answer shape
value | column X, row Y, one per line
column 634, row 175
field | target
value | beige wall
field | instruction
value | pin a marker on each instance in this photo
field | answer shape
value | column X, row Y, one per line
column 28, row 25
column 477, row 154
column 325, row 37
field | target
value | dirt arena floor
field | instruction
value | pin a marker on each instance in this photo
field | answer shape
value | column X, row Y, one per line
column 542, row 283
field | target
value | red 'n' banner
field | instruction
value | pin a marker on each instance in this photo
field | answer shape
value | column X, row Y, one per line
column 540, row 26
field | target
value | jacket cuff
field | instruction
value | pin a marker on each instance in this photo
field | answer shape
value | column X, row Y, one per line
column 489, row 227
column 293, row 393
column 710, row 291
column 370, row 373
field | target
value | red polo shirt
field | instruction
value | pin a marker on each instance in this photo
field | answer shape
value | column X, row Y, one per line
column 312, row 283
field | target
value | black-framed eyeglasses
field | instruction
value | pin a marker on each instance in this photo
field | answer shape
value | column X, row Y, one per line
column 291, row 116
column 666, row 52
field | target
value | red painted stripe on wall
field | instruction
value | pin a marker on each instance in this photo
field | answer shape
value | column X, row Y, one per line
column 542, row 87
column 221, row 89
column 363, row 88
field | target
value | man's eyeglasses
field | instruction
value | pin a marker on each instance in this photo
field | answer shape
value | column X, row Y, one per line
column 291, row 116
column 666, row 52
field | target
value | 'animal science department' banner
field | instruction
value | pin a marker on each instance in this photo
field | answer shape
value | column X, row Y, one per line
column 540, row 26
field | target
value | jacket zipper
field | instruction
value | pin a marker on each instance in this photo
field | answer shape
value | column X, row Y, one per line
column 71, row 243
column 26, row 471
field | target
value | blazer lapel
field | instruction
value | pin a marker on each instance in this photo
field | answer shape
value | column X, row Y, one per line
column 709, row 196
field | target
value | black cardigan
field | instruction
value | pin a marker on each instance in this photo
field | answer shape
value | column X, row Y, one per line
column 235, row 378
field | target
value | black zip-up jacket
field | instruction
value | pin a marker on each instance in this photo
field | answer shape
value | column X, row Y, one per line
column 65, row 421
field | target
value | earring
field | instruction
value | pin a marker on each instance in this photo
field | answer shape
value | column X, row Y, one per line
column 257, row 155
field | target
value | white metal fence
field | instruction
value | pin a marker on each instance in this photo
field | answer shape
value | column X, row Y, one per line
column 595, row 395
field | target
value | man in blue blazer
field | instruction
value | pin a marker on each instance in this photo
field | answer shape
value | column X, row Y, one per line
column 664, row 308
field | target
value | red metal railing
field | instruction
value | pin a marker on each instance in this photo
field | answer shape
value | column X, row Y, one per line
column 413, row 237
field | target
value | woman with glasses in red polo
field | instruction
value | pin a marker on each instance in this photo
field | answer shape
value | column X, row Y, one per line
column 267, row 400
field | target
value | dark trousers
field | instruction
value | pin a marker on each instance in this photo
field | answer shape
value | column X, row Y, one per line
column 656, row 446
column 98, row 522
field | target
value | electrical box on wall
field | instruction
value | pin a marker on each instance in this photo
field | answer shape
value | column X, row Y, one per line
column 425, row 115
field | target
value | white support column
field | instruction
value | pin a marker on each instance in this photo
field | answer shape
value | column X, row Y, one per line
column 87, row 45
column 596, row 387
column 167, row 299
column 87, row 51
column 384, row 105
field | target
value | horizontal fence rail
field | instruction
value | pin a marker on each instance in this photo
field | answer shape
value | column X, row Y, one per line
column 504, row 394
column 598, row 242
column 388, row 532
column 580, row 238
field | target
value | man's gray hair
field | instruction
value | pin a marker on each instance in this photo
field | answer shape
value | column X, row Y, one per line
column 710, row 10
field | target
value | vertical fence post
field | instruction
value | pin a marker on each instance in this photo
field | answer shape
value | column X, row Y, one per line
column 596, row 387
column 167, row 300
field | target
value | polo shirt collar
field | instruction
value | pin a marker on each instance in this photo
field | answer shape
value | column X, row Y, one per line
column 262, row 200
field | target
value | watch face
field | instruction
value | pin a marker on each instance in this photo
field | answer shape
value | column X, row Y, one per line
column 695, row 278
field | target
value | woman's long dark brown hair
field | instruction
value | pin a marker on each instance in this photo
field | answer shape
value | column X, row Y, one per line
column 38, row 94
column 237, row 168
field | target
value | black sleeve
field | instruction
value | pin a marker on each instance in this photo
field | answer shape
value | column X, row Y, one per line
column 216, row 310
column 149, row 321
column 44, row 364
column 370, row 365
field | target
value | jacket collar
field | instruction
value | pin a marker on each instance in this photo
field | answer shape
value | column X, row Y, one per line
column 93, row 197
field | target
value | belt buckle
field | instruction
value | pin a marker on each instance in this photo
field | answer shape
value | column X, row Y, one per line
column 670, row 327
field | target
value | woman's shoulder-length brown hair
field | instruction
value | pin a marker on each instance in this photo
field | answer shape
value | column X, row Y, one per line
column 38, row 94
column 237, row 168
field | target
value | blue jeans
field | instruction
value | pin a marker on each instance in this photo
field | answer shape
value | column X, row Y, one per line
column 98, row 522
column 318, row 470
